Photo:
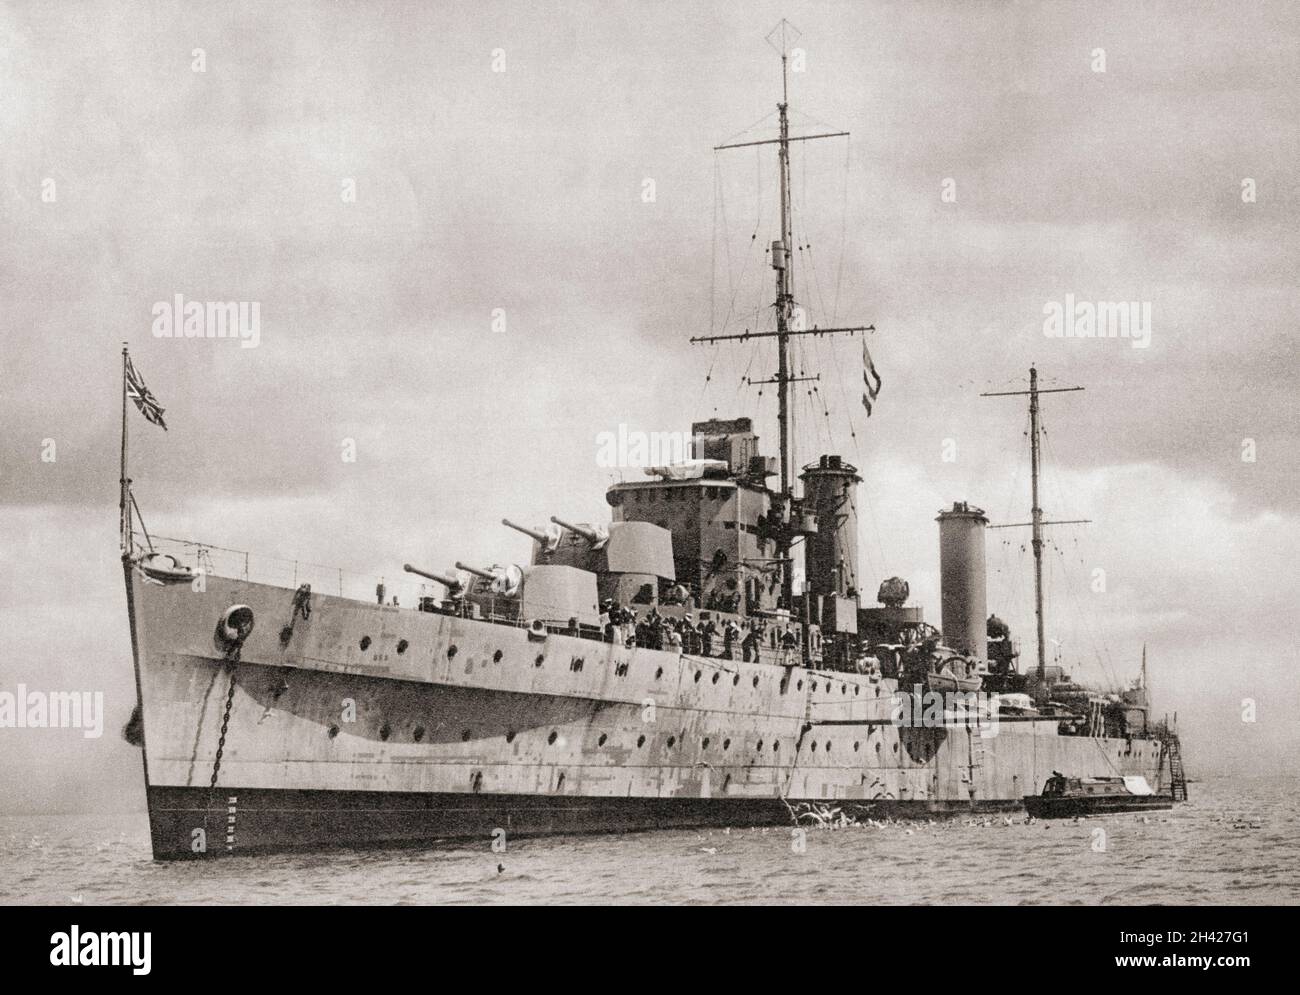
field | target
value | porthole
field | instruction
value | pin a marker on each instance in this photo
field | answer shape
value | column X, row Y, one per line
column 895, row 747
column 418, row 733
column 538, row 661
column 813, row 688
column 601, row 741
column 365, row 642
column 401, row 646
column 760, row 746
column 334, row 731
column 496, row 657
column 510, row 736
column 671, row 741
column 799, row 686
column 814, row 746
column 756, row 680
column 464, row 735
column 735, row 680
column 698, row 675
column 552, row 737
column 856, row 745
column 451, row 651
column 385, row 731
column 856, row 689
column 726, row 744
column 776, row 746
column 640, row 742
column 716, row 675
column 659, row 672
column 705, row 744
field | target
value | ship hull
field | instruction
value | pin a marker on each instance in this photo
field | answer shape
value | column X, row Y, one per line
column 366, row 725
column 280, row 820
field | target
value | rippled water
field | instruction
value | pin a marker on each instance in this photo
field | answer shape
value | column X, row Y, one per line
column 1235, row 842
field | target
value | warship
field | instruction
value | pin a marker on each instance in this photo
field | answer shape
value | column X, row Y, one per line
column 659, row 670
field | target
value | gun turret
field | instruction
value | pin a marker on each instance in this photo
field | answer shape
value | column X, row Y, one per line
column 591, row 535
column 446, row 580
column 504, row 580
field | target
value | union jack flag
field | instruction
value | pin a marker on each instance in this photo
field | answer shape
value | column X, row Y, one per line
column 143, row 397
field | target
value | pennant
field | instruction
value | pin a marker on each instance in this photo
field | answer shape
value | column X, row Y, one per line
column 143, row 397
column 868, row 374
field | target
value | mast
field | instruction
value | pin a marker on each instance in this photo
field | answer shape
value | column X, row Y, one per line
column 784, row 307
column 1036, row 513
column 785, row 529
column 124, row 501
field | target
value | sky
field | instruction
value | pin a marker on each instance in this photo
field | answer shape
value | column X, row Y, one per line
column 540, row 224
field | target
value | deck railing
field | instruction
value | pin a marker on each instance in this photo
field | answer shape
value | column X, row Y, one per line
column 239, row 564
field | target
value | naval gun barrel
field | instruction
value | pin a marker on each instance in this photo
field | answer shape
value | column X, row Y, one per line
column 444, row 579
column 531, row 533
column 485, row 574
column 589, row 534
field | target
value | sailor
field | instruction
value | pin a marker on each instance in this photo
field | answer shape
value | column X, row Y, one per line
column 706, row 637
column 690, row 634
column 658, row 631
column 788, row 642
column 730, row 632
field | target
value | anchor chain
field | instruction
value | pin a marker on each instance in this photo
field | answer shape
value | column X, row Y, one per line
column 232, row 667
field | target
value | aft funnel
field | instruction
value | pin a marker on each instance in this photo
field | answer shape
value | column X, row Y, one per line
column 962, row 596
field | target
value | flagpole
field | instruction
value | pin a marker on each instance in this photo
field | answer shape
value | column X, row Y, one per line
column 124, row 504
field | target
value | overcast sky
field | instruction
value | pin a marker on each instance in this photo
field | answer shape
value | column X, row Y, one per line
column 524, row 190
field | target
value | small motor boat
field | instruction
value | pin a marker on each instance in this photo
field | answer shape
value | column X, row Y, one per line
column 1064, row 797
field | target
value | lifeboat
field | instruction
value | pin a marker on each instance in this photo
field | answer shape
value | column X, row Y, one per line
column 164, row 568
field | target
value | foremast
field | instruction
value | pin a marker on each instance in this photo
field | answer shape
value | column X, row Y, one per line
column 785, row 530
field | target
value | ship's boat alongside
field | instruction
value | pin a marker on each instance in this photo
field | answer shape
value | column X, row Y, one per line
column 1066, row 797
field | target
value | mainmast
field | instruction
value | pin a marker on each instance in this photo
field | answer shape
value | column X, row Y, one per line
column 1036, row 513
column 781, row 260
column 786, row 327
column 1036, row 516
